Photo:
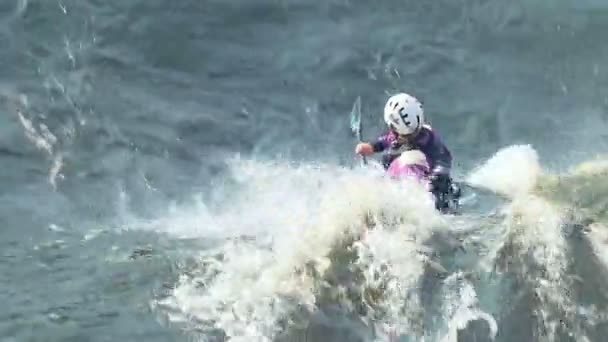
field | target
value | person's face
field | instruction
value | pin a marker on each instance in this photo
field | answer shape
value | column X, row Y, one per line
column 403, row 138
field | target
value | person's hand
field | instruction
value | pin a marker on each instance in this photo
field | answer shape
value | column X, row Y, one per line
column 364, row 149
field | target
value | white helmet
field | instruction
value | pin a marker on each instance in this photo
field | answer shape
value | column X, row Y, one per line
column 404, row 113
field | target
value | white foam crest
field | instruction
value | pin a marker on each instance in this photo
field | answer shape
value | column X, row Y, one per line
column 593, row 167
column 44, row 140
column 461, row 306
column 391, row 264
column 269, row 198
column 392, row 259
column 251, row 285
column 245, row 292
column 511, row 172
column 598, row 237
column 534, row 226
column 584, row 190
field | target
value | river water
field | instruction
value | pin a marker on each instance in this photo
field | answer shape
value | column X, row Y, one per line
column 184, row 170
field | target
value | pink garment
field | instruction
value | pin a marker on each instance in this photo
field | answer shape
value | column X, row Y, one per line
column 411, row 164
column 418, row 172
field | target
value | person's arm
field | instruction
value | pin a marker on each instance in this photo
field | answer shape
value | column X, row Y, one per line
column 443, row 159
column 437, row 151
column 365, row 148
column 379, row 145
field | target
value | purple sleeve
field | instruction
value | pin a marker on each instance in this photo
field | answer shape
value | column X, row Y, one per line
column 435, row 149
column 383, row 142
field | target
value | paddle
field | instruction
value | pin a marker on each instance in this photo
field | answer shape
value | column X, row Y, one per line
column 355, row 122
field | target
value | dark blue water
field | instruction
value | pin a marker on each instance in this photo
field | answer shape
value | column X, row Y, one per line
column 121, row 121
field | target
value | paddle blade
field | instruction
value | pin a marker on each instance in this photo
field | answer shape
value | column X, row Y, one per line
column 355, row 118
column 355, row 122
